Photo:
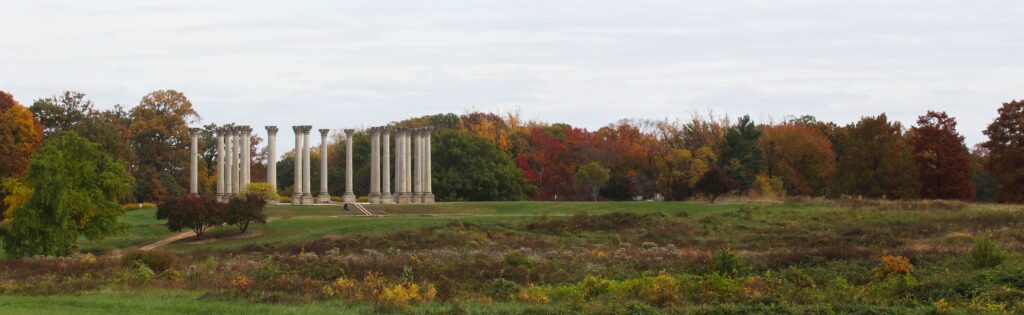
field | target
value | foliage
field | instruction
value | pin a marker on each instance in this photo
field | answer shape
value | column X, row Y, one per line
column 262, row 189
column 986, row 252
column 138, row 206
column 592, row 177
column 243, row 211
column 740, row 156
column 62, row 112
column 985, row 186
column 20, row 136
column 893, row 266
column 801, row 156
column 1005, row 148
column 715, row 183
column 943, row 162
column 75, row 192
column 876, row 160
column 158, row 260
column 466, row 167
column 197, row 213
column 160, row 139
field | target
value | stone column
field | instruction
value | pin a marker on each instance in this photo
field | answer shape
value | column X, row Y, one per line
column 231, row 162
column 297, row 186
column 428, row 177
column 409, row 163
column 193, row 152
column 385, row 195
column 246, row 157
column 220, row 163
column 239, row 188
column 350, row 195
column 374, row 165
column 307, row 188
column 417, row 182
column 325, row 196
column 272, row 158
column 402, row 195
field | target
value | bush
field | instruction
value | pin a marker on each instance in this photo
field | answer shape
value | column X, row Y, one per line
column 986, row 252
column 243, row 211
column 197, row 213
column 138, row 206
column 726, row 262
column 261, row 189
column 157, row 260
column 893, row 266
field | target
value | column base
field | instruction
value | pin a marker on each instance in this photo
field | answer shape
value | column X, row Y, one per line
column 349, row 197
column 387, row 198
column 297, row 199
column 428, row 198
column 323, row 198
column 404, row 198
column 307, row 199
column 373, row 198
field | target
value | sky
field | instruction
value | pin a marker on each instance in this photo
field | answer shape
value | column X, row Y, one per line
column 354, row 64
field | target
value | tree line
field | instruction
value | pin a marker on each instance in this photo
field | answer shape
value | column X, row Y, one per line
column 500, row 156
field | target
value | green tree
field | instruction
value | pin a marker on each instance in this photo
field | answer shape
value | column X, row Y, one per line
column 466, row 167
column 20, row 136
column 592, row 177
column 62, row 112
column 876, row 160
column 740, row 154
column 159, row 126
column 75, row 191
column 984, row 184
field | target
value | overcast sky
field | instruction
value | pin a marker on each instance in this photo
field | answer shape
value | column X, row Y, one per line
column 343, row 64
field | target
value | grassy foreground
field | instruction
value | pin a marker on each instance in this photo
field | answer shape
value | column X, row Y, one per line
column 552, row 258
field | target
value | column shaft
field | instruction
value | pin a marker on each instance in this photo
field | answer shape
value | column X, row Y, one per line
column 350, row 195
column 325, row 195
column 193, row 183
column 272, row 159
column 297, row 186
column 220, row 164
column 231, row 161
column 374, row 166
column 428, row 177
column 307, row 188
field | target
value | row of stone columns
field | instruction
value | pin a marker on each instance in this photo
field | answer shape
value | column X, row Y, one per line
column 412, row 165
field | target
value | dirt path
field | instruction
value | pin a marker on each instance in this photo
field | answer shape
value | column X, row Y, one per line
column 167, row 240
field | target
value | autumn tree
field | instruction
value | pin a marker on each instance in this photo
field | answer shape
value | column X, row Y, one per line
column 739, row 154
column 245, row 210
column 800, row 155
column 549, row 163
column 1005, row 147
column 74, row 189
column 985, row 186
column 194, row 212
column 20, row 136
column 592, row 177
column 160, row 139
column 876, row 161
column 943, row 162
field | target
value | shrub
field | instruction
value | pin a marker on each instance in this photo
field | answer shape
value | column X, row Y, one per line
column 243, row 211
column 138, row 206
column 726, row 262
column 261, row 189
column 986, row 253
column 893, row 266
column 157, row 260
column 197, row 213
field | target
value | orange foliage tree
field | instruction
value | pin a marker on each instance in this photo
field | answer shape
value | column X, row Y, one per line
column 1005, row 147
column 800, row 155
column 20, row 136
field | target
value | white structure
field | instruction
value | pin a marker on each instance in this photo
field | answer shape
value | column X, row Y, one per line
column 272, row 158
column 297, row 184
column 350, row 195
column 325, row 196
column 193, row 182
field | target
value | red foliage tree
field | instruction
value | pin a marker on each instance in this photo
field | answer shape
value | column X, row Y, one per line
column 943, row 162
column 1006, row 151
column 197, row 213
column 800, row 155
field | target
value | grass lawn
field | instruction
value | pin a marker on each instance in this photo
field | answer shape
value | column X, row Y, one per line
column 145, row 229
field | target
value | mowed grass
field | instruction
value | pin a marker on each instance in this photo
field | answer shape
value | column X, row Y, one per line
column 289, row 224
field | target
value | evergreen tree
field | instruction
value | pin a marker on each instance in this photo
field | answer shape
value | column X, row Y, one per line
column 740, row 156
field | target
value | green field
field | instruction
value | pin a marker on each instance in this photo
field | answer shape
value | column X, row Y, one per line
column 551, row 257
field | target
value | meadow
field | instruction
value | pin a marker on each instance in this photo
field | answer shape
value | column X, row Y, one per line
column 800, row 256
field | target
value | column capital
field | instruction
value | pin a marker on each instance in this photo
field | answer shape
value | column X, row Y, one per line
column 271, row 129
column 298, row 129
column 245, row 129
column 324, row 132
column 349, row 132
column 194, row 131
